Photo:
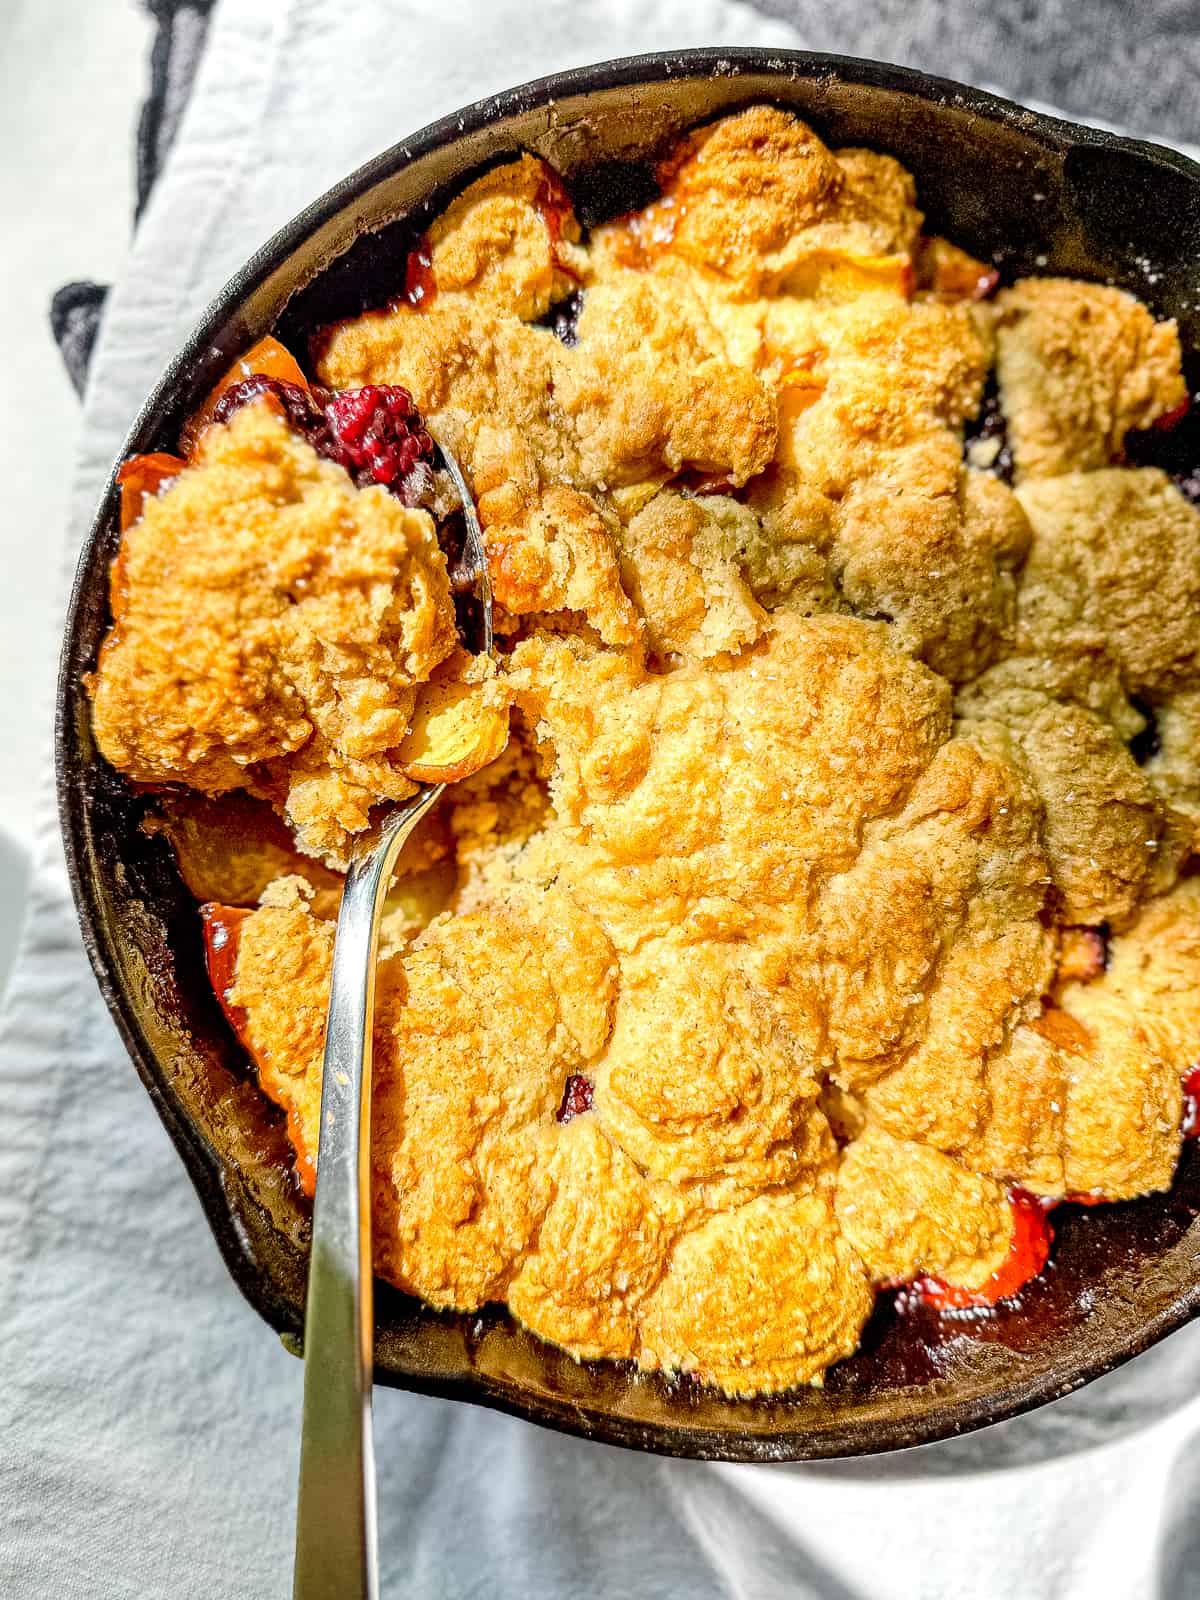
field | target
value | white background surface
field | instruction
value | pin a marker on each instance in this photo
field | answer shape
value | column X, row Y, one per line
column 72, row 77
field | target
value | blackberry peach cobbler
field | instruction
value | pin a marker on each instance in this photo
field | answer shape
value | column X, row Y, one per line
column 814, row 903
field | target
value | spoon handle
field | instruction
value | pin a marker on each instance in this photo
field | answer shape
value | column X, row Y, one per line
column 336, row 1550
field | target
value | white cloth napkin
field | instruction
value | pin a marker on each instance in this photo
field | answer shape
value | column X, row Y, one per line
column 148, row 1420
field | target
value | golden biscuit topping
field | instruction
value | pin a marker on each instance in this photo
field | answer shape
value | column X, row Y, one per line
column 834, row 886
column 272, row 627
column 1079, row 365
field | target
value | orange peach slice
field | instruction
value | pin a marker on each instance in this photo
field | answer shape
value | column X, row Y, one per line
column 140, row 478
column 457, row 728
column 951, row 274
column 222, row 935
column 836, row 275
column 268, row 359
column 798, row 392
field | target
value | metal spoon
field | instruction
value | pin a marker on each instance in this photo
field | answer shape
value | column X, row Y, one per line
column 336, row 1544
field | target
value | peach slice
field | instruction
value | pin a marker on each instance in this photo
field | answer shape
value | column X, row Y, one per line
column 268, row 359
column 222, row 933
column 140, row 478
column 457, row 728
column 837, row 275
column 798, row 392
column 222, row 930
column 951, row 274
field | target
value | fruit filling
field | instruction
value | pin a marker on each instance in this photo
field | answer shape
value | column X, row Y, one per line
column 1027, row 1255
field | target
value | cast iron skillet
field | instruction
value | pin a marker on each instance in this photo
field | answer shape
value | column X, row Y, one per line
column 1030, row 192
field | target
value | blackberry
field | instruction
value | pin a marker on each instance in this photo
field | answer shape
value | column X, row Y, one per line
column 375, row 433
